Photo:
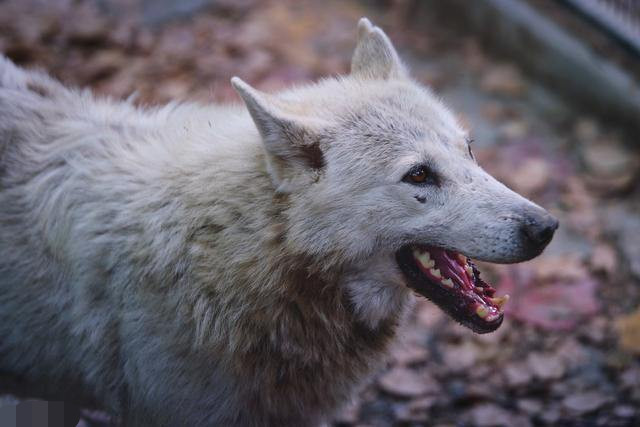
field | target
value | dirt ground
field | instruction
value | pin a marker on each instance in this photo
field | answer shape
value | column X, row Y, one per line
column 568, row 352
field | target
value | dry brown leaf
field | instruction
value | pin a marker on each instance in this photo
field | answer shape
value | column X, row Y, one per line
column 504, row 80
column 628, row 328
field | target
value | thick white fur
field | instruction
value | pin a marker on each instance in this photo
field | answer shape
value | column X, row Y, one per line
column 200, row 265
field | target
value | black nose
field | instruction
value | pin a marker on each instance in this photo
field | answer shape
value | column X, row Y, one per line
column 539, row 228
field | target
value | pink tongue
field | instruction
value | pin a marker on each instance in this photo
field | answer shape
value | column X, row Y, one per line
column 449, row 266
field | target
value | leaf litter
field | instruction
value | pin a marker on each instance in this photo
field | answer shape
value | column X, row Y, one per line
column 568, row 351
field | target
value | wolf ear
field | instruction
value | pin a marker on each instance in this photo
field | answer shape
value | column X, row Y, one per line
column 375, row 57
column 292, row 141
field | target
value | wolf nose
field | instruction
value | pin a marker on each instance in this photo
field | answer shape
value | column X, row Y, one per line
column 539, row 229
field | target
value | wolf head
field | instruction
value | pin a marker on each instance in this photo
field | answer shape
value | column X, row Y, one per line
column 381, row 178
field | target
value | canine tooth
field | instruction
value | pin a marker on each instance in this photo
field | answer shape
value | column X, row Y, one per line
column 448, row 282
column 425, row 260
column 469, row 270
column 482, row 311
column 462, row 259
column 421, row 253
column 500, row 301
column 435, row 272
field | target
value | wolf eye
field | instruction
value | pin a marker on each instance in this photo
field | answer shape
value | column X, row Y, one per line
column 420, row 175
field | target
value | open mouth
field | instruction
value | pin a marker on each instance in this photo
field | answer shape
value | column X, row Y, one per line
column 453, row 282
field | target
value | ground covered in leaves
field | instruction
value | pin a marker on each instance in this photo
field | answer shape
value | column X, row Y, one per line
column 568, row 351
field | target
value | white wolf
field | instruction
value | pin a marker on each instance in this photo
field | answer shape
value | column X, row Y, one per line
column 226, row 265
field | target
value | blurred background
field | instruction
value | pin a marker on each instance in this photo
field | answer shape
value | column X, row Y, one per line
column 549, row 90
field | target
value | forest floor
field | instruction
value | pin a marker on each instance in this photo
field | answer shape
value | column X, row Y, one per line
column 568, row 351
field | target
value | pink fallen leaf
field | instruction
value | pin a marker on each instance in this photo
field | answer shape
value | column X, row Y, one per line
column 554, row 304
column 604, row 259
column 403, row 382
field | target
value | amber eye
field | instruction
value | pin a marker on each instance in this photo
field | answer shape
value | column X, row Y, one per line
column 420, row 175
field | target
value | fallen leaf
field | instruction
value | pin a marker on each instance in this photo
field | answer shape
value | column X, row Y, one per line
column 503, row 79
column 549, row 299
column 415, row 411
column 611, row 166
column 407, row 354
column 514, row 129
column 531, row 177
column 517, row 374
column 489, row 414
column 493, row 111
column 546, row 366
column 586, row 402
column 404, row 382
column 460, row 357
column 561, row 267
column 598, row 330
column 626, row 227
column 102, row 65
column 550, row 416
column 349, row 413
column 530, row 406
column 604, row 259
column 607, row 157
column 630, row 378
column 628, row 328
column 428, row 314
column 571, row 352
column 625, row 411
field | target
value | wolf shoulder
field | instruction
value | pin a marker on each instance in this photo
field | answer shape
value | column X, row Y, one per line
column 60, row 123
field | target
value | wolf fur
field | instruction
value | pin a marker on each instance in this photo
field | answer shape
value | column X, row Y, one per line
column 228, row 265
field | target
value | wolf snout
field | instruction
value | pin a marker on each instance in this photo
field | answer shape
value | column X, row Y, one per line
column 538, row 228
